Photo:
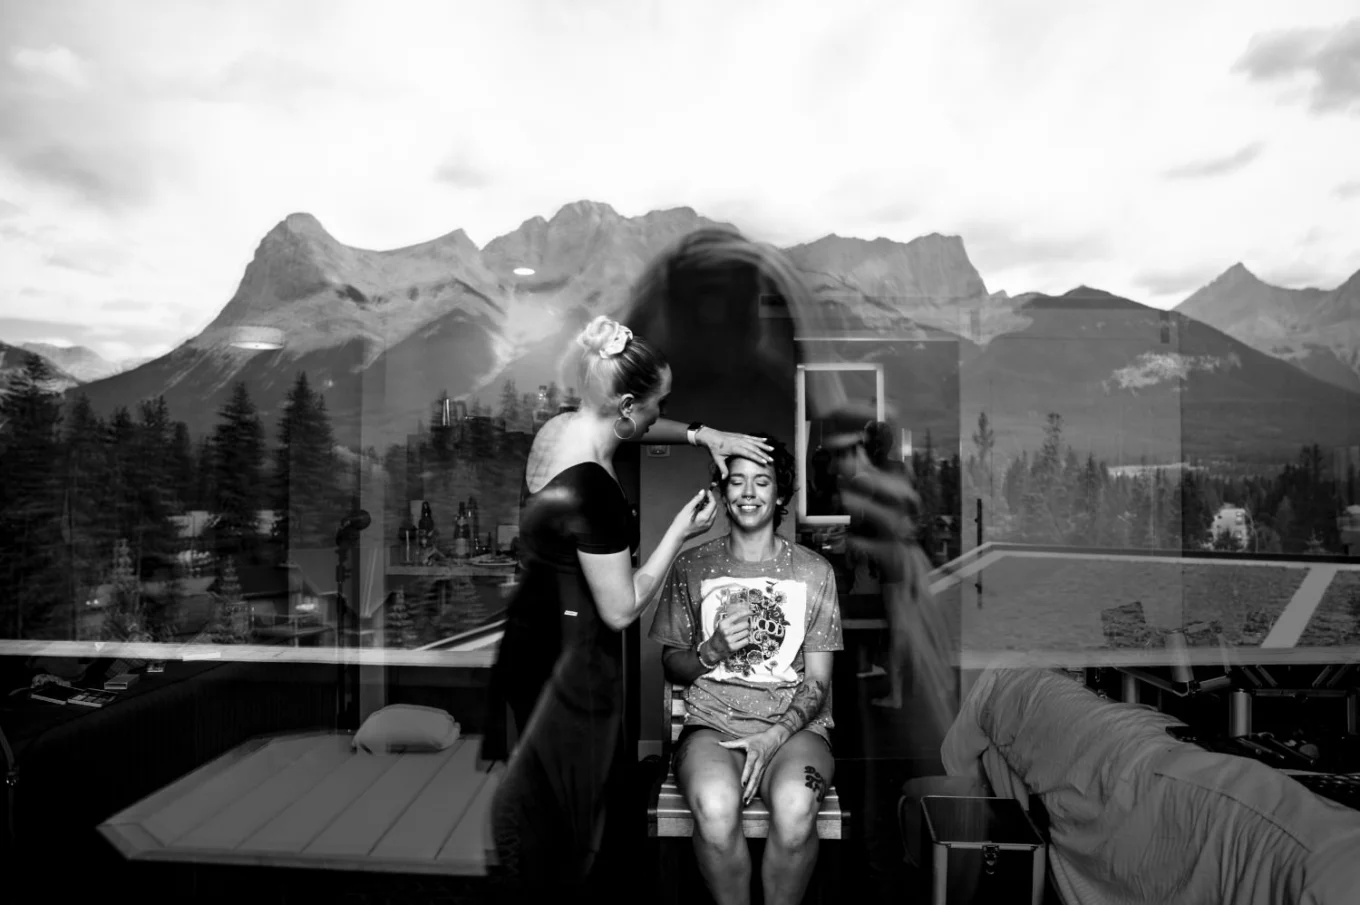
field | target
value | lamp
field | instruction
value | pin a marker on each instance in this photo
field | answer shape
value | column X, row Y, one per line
column 257, row 338
column 523, row 271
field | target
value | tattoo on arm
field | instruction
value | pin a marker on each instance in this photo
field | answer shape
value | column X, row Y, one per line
column 806, row 704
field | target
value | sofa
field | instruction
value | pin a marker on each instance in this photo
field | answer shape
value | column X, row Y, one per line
column 1133, row 815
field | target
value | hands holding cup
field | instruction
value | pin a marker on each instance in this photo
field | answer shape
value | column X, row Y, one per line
column 731, row 634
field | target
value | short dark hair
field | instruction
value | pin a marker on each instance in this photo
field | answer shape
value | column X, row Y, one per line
column 785, row 474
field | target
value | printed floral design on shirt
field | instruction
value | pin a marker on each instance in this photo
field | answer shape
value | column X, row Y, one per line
column 768, row 624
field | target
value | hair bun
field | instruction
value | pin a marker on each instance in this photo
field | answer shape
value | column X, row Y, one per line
column 597, row 333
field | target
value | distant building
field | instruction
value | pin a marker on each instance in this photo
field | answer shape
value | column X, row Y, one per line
column 1349, row 526
column 1345, row 461
column 1233, row 520
column 1130, row 471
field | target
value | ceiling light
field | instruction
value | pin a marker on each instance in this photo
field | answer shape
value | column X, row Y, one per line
column 524, row 271
column 257, row 338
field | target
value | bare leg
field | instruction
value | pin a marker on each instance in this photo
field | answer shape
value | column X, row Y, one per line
column 709, row 777
column 793, row 788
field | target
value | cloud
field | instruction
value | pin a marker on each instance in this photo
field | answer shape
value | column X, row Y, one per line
column 1180, row 281
column 1217, row 166
column 1329, row 56
column 126, row 305
column 54, row 64
column 90, row 150
column 1301, row 275
column 462, row 169
column 9, row 209
column 99, row 258
column 265, row 79
column 992, row 246
column 1347, row 190
column 112, row 342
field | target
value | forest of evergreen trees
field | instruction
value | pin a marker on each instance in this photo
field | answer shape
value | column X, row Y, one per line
column 87, row 500
column 1055, row 495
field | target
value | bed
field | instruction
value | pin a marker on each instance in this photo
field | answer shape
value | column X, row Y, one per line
column 308, row 800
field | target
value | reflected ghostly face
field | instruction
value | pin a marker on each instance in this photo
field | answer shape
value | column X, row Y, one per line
column 750, row 494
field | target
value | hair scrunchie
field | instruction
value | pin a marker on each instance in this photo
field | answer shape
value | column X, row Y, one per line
column 617, row 342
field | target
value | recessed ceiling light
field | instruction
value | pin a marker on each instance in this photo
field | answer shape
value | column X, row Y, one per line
column 524, row 271
column 257, row 339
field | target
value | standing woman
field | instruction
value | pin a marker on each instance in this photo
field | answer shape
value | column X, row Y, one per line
column 560, row 665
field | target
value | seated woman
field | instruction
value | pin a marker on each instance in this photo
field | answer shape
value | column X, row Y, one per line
column 749, row 622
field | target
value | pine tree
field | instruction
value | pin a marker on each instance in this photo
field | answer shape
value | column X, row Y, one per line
column 307, row 500
column 33, row 554
column 239, row 456
column 86, row 490
column 1142, row 508
column 154, row 481
column 465, row 609
column 231, row 624
column 183, row 468
column 510, row 405
column 984, row 438
column 1227, row 541
column 527, row 402
column 1284, row 524
column 205, row 474
column 1087, row 504
column 121, row 454
column 1171, row 514
column 399, row 624
column 125, row 616
column 1016, row 483
column 1196, row 516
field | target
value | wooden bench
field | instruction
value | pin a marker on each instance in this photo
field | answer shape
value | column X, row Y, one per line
column 669, row 816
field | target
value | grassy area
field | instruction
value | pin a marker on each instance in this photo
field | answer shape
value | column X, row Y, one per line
column 1337, row 618
column 1034, row 603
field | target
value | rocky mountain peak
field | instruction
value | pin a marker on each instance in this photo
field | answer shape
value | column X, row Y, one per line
column 583, row 210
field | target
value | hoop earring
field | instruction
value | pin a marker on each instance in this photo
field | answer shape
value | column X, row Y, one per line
column 629, row 419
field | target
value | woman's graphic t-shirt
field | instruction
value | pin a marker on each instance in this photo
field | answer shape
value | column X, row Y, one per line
column 792, row 603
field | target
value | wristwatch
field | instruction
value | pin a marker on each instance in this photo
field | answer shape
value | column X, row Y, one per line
column 692, row 433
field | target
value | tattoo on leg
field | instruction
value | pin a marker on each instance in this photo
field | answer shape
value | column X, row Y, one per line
column 813, row 780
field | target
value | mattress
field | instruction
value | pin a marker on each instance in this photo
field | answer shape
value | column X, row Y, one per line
column 309, row 800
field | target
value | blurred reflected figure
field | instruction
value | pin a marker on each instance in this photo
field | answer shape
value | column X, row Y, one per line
column 867, row 587
column 730, row 309
column 560, row 662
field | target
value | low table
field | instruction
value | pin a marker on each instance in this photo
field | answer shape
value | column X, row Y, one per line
column 309, row 800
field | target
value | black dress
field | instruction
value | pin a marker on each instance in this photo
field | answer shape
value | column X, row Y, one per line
column 560, row 669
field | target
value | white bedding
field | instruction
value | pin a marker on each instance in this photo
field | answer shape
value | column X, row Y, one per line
column 1140, row 818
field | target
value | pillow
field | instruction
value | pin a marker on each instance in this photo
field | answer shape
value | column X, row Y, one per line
column 406, row 728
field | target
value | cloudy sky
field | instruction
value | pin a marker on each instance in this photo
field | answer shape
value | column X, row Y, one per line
column 147, row 147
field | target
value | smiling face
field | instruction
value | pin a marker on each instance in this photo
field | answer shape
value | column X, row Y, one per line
column 751, row 495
